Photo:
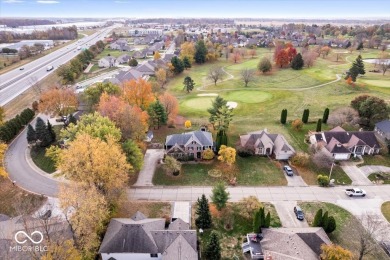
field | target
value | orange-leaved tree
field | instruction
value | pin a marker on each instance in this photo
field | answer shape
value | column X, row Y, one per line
column 58, row 102
column 138, row 92
column 170, row 104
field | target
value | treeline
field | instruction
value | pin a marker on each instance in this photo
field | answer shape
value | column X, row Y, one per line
column 72, row 70
column 66, row 33
column 24, row 22
column 12, row 127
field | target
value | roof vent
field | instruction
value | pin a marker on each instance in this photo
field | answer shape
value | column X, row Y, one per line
column 338, row 145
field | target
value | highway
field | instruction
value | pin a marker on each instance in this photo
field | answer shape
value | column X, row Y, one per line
column 15, row 82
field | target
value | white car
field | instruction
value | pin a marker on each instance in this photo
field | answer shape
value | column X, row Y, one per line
column 355, row 192
column 49, row 68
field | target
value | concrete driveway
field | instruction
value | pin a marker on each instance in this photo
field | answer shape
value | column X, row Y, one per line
column 368, row 169
column 151, row 158
column 287, row 216
column 355, row 174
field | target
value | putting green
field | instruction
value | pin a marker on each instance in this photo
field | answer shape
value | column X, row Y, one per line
column 247, row 96
column 198, row 103
column 378, row 83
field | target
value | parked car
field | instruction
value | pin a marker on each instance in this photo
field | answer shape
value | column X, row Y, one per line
column 299, row 213
column 21, row 68
column 61, row 119
column 287, row 169
column 355, row 192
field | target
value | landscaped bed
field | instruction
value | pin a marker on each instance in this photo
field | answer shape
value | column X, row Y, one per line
column 380, row 177
column 250, row 171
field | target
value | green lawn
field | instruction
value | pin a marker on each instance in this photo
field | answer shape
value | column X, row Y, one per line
column 377, row 160
column 381, row 177
column 256, row 171
column 386, row 210
column 114, row 53
column 41, row 160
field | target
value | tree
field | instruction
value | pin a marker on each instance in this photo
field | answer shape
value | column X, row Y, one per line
column 172, row 165
column 170, row 104
column 264, row 65
column 213, row 248
column 187, row 52
column 138, row 92
column 200, row 52
column 51, row 131
column 309, row 58
column 215, row 73
column 325, row 51
column 86, row 211
column 188, row 84
column 235, row 56
column 335, row 252
column 157, row 114
column 249, row 205
column 252, row 52
column 323, row 180
column 356, row 69
column 2, row 115
column 317, row 222
column 3, row 148
column 133, row 62
column 219, row 195
column 203, row 219
column 208, row 154
column 156, row 55
column 297, row 62
column 371, row 110
column 133, row 154
column 178, row 65
column 283, row 117
column 93, row 125
column 227, row 155
column 360, row 46
column 58, row 102
column 300, row 159
column 247, row 76
column 92, row 94
column 305, row 116
column 96, row 162
column 187, row 124
column 161, row 77
column 31, row 134
column 331, row 226
column 319, row 124
column 297, row 124
column 325, row 116
column 42, row 133
column 344, row 116
column 383, row 61
column 360, row 65
column 186, row 63
column 282, row 59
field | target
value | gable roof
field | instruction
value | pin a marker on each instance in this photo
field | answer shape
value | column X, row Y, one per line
column 204, row 138
column 261, row 138
column 179, row 224
column 344, row 137
column 180, row 249
column 138, row 216
column 384, row 126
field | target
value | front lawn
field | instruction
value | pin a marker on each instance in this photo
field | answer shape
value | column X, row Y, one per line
column 380, row 177
column 386, row 210
column 41, row 160
column 251, row 171
column 383, row 160
column 127, row 209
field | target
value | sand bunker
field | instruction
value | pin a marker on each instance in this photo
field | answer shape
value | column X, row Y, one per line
column 231, row 104
column 208, row 95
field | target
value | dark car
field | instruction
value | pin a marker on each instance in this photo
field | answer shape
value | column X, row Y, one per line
column 299, row 213
column 21, row 68
column 287, row 169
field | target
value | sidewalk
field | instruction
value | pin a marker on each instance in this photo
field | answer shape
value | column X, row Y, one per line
column 355, row 174
column 145, row 176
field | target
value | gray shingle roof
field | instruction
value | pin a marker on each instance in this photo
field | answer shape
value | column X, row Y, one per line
column 205, row 138
column 384, row 126
column 179, row 224
column 344, row 137
column 138, row 216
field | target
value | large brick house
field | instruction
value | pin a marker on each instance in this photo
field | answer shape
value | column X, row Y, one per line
column 191, row 144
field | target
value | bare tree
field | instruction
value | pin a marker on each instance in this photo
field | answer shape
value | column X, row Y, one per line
column 247, row 75
column 384, row 62
column 366, row 234
column 216, row 73
column 343, row 116
column 309, row 58
column 323, row 159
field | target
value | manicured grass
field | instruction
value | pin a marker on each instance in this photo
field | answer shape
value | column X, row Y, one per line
column 380, row 177
column 378, row 83
column 127, row 209
column 41, row 160
column 198, row 103
column 247, row 96
column 114, row 53
column 383, row 160
column 250, row 171
column 386, row 210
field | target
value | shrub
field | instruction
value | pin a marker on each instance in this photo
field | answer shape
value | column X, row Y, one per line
column 249, row 205
column 300, row 159
column 208, row 154
column 297, row 124
column 244, row 152
column 187, row 124
column 215, row 173
column 323, row 180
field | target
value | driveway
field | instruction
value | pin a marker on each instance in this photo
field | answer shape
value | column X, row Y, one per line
column 287, row 216
column 145, row 176
column 368, row 169
column 355, row 174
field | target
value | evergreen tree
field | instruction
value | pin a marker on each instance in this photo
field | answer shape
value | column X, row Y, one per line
column 317, row 222
column 178, row 65
column 283, row 116
column 51, row 131
column 360, row 46
column 203, row 212
column 319, row 124
column 188, row 84
column 42, row 133
column 305, row 116
column 220, row 196
column 257, row 222
column 133, row 62
column 325, row 116
column 297, row 62
column 157, row 113
column 213, row 248
column 200, row 52
column 331, row 225
column 267, row 221
column 262, row 217
column 72, row 119
column 356, row 69
column 134, row 154
column 360, row 65
column 221, row 139
column 31, row 134
column 325, row 220
column 186, row 62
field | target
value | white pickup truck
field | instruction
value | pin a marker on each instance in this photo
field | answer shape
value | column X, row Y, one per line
column 355, row 192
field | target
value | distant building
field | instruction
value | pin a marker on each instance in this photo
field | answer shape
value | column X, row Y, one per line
column 107, row 62
column 144, row 32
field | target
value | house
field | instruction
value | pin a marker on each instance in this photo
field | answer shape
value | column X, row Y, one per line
column 191, row 144
column 124, row 76
column 107, row 62
column 286, row 243
column 148, row 68
column 139, row 55
column 266, row 144
column 342, row 144
column 149, row 136
column 140, row 238
column 383, row 129
column 123, row 59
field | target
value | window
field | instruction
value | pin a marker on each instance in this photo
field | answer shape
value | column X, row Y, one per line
column 154, row 255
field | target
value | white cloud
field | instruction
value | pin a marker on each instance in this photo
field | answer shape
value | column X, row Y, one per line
column 48, row 2
column 13, row 1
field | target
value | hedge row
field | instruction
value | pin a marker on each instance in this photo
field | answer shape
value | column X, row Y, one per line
column 12, row 127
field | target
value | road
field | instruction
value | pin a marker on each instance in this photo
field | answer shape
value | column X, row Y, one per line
column 17, row 81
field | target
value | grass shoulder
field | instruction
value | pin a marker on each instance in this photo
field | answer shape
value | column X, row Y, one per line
column 386, row 210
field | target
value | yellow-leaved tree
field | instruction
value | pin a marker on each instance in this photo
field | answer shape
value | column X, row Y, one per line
column 227, row 154
column 187, row 124
column 335, row 252
column 3, row 148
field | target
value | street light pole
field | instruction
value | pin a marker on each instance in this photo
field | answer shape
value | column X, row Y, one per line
column 331, row 168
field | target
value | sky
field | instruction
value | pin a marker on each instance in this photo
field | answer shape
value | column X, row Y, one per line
column 196, row 8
